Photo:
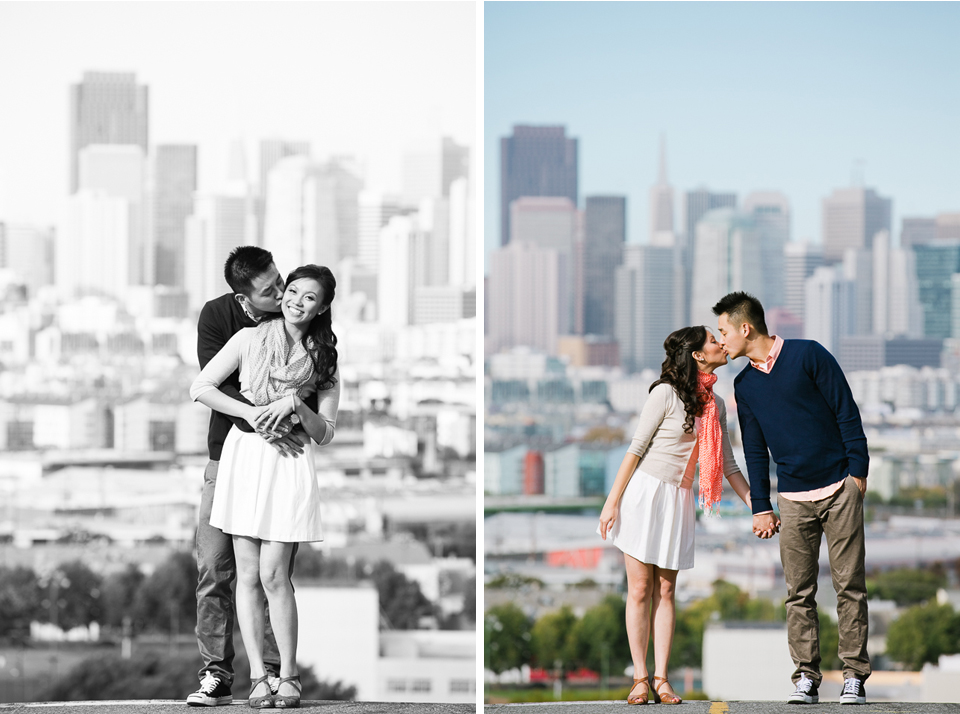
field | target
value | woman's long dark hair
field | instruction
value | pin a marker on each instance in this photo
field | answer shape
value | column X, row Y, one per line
column 679, row 370
column 319, row 340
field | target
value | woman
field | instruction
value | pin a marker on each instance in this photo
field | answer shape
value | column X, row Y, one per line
column 682, row 421
column 266, row 502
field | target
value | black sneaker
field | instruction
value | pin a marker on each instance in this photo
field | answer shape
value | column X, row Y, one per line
column 213, row 692
column 806, row 693
column 853, row 691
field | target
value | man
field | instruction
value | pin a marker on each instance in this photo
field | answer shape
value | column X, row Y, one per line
column 256, row 289
column 795, row 405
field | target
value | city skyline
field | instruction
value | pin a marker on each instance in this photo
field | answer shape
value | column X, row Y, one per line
column 285, row 70
column 802, row 122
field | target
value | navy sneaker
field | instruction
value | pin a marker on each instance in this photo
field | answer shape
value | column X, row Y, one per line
column 213, row 692
column 807, row 692
column 853, row 691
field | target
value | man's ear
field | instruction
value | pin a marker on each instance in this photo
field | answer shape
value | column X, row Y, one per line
column 239, row 297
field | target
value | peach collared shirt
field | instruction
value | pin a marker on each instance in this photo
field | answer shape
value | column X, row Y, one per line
column 816, row 494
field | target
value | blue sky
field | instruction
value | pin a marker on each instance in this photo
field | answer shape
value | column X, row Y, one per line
column 751, row 96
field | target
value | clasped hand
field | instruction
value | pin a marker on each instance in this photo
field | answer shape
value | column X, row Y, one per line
column 765, row 525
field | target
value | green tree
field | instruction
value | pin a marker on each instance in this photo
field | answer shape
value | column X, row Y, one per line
column 600, row 637
column 166, row 601
column 19, row 602
column 907, row 586
column 551, row 640
column 118, row 595
column 401, row 601
column 71, row 596
column 922, row 634
column 829, row 644
column 506, row 638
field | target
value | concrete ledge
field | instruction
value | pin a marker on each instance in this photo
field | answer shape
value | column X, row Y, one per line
column 699, row 707
column 168, row 706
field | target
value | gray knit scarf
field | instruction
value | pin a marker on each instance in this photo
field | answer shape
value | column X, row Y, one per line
column 273, row 372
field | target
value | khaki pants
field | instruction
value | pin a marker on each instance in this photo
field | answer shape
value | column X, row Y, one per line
column 840, row 518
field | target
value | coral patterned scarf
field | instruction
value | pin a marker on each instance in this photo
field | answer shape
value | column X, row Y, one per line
column 710, row 441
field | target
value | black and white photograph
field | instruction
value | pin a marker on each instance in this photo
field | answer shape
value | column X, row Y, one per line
column 238, row 354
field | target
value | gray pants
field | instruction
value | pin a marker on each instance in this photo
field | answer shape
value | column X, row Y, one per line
column 840, row 518
column 217, row 571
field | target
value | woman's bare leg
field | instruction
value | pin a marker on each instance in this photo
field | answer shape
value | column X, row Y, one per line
column 664, row 620
column 250, row 603
column 640, row 581
column 275, row 576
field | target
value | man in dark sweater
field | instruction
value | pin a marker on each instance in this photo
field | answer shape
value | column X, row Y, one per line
column 794, row 404
column 256, row 289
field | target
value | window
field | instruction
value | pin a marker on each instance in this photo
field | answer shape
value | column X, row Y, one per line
column 461, row 686
column 420, row 685
column 396, row 685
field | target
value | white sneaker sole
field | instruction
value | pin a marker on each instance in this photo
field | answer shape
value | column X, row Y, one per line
column 804, row 699
column 202, row 701
column 853, row 700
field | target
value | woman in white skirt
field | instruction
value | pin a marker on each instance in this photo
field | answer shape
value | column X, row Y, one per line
column 650, row 513
column 267, row 502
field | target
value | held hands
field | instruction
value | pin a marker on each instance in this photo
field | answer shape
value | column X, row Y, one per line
column 607, row 516
column 766, row 525
column 273, row 414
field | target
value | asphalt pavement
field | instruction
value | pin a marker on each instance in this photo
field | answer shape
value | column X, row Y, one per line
column 700, row 707
column 167, row 706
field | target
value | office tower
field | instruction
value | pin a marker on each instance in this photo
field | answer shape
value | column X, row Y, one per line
column 28, row 251
column 917, row 231
column 661, row 197
column 604, row 235
column 455, row 160
column 644, row 297
column 119, row 171
column 535, row 161
column 896, row 300
column 936, row 265
column 851, row 217
column 830, row 307
column 696, row 205
column 726, row 257
column 955, row 306
column 272, row 151
column 434, row 221
column 553, row 223
column 799, row 262
column 529, row 298
column 770, row 212
column 106, row 108
column 93, row 245
column 374, row 212
column 858, row 268
column 218, row 224
column 174, row 183
column 944, row 228
column 400, row 243
column 312, row 214
column 463, row 249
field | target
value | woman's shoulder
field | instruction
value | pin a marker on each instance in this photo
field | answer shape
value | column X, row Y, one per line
column 663, row 391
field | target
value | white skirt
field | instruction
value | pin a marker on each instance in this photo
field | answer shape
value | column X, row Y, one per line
column 656, row 522
column 264, row 495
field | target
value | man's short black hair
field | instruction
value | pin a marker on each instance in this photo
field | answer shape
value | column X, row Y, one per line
column 740, row 308
column 244, row 264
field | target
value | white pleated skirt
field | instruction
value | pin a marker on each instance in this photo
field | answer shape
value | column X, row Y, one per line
column 264, row 495
column 656, row 523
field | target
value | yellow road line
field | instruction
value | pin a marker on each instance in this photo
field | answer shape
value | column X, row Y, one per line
column 719, row 708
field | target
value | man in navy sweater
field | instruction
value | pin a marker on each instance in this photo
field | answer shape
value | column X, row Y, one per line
column 255, row 291
column 794, row 404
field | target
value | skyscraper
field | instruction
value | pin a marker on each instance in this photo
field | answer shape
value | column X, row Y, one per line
column 455, row 163
column 851, row 218
column 770, row 212
column 936, row 264
column 896, row 299
column 604, row 235
column 28, row 252
column 106, row 108
column 272, row 151
column 830, row 307
column 696, row 205
column 375, row 211
column 661, row 197
column 799, row 261
column 535, row 161
column 944, row 228
column 174, row 183
column 644, row 297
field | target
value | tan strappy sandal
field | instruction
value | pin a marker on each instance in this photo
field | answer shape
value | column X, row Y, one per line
column 285, row 702
column 667, row 698
column 638, row 699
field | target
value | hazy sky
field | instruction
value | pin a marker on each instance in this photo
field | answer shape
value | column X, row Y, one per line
column 368, row 78
column 780, row 96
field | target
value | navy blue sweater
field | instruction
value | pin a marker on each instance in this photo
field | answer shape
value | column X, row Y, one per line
column 803, row 415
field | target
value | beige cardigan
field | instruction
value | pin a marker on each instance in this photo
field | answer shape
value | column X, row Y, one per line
column 661, row 443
